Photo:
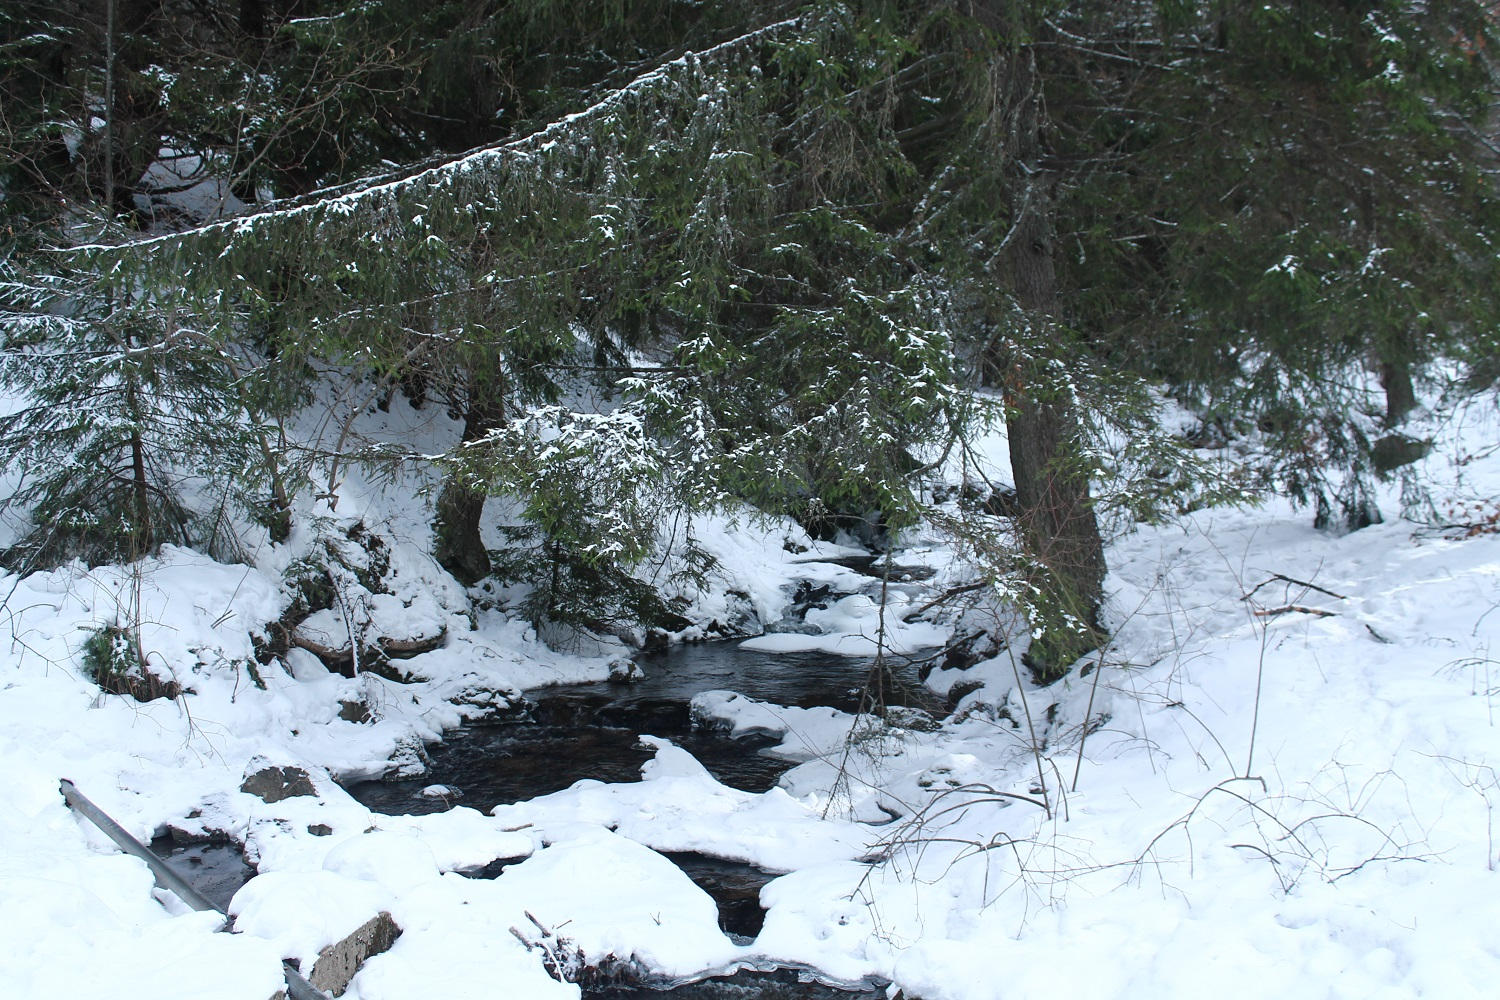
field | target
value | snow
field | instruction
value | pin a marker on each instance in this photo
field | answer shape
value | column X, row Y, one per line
column 679, row 806
column 847, row 629
column 805, row 732
column 302, row 913
column 1287, row 786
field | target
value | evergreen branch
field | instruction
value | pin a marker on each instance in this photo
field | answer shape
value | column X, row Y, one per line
column 524, row 146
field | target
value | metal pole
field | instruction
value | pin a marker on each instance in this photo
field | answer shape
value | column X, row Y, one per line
column 298, row 988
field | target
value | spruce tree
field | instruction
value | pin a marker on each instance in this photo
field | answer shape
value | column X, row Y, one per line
column 794, row 245
column 132, row 431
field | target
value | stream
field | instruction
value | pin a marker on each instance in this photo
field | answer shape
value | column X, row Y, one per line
column 577, row 731
column 581, row 731
column 572, row 732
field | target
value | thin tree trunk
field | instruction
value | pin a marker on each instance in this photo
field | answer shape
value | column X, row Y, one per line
column 1400, row 393
column 459, row 548
column 1055, row 510
column 279, row 521
column 142, row 538
column 110, row 17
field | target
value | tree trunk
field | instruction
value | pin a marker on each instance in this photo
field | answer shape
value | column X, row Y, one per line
column 142, row 537
column 1055, row 511
column 110, row 18
column 459, row 548
column 279, row 517
column 1400, row 393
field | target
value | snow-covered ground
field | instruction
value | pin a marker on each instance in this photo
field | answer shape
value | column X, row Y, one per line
column 1287, row 787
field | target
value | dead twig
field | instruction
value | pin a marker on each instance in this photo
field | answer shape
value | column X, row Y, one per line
column 945, row 596
column 1295, row 582
column 1298, row 608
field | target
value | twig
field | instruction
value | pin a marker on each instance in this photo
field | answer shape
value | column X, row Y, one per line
column 946, row 595
column 1087, row 714
column 1259, row 850
column 1036, row 747
column 1300, row 609
column 1292, row 580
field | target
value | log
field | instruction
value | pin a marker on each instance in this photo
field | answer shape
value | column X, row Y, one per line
column 297, row 987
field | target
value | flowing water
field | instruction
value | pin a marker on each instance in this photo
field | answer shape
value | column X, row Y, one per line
column 216, row 869
column 582, row 731
column 592, row 731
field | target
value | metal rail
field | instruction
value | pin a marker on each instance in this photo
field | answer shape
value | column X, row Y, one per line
column 298, row 988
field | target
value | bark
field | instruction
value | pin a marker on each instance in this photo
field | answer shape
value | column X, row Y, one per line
column 279, row 517
column 142, row 538
column 459, row 548
column 110, row 112
column 1055, row 510
column 1400, row 394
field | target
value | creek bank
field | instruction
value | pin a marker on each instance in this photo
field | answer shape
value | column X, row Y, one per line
column 747, row 984
column 576, row 736
column 559, row 735
column 594, row 732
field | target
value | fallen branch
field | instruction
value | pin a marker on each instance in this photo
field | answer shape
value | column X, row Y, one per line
column 1296, row 582
column 1286, row 608
column 946, row 595
column 298, row 988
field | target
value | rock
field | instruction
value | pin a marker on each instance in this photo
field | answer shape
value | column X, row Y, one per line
column 623, row 670
column 493, row 704
column 338, row 963
column 354, row 711
column 791, row 624
column 319, row 829
column 409, row 759
column 961, row 690
column 914, row 719
column 942, row 778
column 1395, row 450
column 741, row 618
column 272, row 784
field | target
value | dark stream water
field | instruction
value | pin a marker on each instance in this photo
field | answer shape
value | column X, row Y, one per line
column 592, row 731
column 217, row 869
column 581, row 731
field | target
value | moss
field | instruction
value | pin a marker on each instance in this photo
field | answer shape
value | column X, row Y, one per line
column 110, row 656
column 311, row 589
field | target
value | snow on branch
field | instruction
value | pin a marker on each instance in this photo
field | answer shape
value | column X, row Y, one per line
column 530, row 144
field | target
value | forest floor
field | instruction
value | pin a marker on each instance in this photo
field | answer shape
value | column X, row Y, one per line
column 1287, row 786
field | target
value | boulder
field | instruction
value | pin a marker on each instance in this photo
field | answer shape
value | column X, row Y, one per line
column 272, row 784
column 338, row 963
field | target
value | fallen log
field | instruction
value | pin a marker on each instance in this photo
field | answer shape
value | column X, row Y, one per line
column 373, row 657
column 297, row 987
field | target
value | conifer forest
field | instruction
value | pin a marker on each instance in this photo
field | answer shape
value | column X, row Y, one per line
column 955, row 499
